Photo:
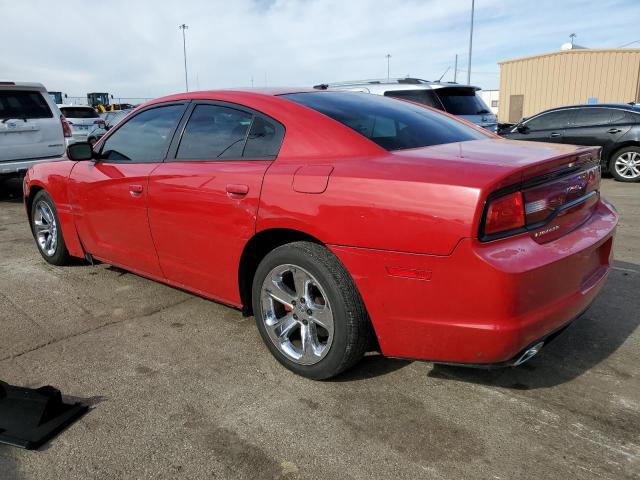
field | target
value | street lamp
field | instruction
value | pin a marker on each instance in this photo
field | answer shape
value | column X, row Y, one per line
column 183, row 27
column 473, row 2
column 388, row 55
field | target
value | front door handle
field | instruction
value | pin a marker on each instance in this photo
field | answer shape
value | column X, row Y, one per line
column 555, row 134
column 614, row 130
column 135, row 190
column 237, row 189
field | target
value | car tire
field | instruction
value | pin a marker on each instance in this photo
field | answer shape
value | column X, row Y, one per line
column 46, row 229
column 625, row 164
column 309, row 311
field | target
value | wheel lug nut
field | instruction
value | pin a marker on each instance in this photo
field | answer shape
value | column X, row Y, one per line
column 295, row 317
column 304, row 321
column 293, row 303
column 309, row 312
column 302, row 300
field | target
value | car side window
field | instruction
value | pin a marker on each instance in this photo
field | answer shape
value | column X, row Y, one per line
column 144, row 138
column 592, row 117
column 265, row 139
column 214, row 132
column 620, row 117
column 549, row 121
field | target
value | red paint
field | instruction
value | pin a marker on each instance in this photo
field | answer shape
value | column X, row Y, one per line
column 405, row 224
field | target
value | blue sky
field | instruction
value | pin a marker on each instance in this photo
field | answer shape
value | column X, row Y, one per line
column 134, row 48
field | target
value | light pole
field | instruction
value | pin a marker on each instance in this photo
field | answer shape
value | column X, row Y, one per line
column 183, row 27
column 388, row 55
column 473, row 4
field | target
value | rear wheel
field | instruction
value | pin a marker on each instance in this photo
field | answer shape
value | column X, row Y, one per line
column 46, row 230
column 308, row 310
column 625, row 164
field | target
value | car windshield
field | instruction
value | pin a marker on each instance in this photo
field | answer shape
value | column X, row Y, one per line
column 78, row 112
column 392, row 124
column 462, row 101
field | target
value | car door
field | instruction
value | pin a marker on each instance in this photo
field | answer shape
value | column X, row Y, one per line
column 203, row 200
column 592, row 126
column 109, row 195
column 546, row 127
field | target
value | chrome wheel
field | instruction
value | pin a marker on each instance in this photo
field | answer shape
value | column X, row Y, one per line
column 627, row 165
column 297, row 314
column 45, row 228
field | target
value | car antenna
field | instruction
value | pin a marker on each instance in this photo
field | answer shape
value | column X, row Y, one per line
column 441, row 76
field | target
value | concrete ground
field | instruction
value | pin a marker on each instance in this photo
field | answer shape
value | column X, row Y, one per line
column 183, row 388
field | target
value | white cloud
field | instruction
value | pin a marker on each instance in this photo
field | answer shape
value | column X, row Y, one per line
column 134, row 48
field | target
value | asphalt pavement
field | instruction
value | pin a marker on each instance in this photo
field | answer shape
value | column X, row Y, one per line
column 181, row 387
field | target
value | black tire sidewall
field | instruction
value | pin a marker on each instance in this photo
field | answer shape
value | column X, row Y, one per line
column 332, row 363
column 61, row 256
column 612, row 165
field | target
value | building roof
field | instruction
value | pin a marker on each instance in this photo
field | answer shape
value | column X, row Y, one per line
column 581, row 51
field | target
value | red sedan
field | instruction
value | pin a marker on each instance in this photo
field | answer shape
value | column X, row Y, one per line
column 341, row 221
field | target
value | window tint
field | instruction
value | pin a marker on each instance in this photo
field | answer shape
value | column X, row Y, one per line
column 462, row 101
column 24, row 105
column 392, row 124
column 214, row 132
column 145, row 137
column 549, row 121
column 425, row 97
column 589, row 117
column 264, row 139
column 78, row 112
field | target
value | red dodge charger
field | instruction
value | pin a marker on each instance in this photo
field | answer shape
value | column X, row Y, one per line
column 341, row 221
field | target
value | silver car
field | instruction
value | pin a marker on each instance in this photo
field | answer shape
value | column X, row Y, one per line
column 83, row 120
column 453, row 98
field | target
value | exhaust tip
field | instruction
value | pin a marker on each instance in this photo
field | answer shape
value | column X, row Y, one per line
column 528, row 354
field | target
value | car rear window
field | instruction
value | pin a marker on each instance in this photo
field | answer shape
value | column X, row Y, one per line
column 462, row 101
column 78, row 112
column 392, row 124
column 23, row 104
column 425, row 97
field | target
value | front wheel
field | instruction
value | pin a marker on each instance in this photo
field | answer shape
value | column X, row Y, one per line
column 308, row 310
column 625, row 164
column 46, row 230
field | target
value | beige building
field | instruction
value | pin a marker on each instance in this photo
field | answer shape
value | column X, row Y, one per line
column 529, row 85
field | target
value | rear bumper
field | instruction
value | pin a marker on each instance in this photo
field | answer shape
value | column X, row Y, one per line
column 21, row 166
column 486, row 302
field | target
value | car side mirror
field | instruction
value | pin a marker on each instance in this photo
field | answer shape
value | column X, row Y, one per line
column 80, row 151
column 522, row 129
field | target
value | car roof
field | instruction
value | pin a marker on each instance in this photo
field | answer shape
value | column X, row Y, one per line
column 403, row 83
column 9, row 85
column 632, row 107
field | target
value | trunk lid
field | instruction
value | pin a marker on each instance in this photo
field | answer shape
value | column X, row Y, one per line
column 559, row 183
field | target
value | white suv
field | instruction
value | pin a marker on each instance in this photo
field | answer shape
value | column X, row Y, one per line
column 453, row 98
column 83, row 120
column 32, row 129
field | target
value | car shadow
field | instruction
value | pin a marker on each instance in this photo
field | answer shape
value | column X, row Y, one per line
column 589, row 340
column 372, row 365
column 11, row 190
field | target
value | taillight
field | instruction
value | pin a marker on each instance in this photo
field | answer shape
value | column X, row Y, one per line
column 504, row 214
column 66, row 129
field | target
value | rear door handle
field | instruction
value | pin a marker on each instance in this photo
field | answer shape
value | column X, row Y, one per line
column 135, row 190
column 555, row 134
column 237, row 189
column 614, row 130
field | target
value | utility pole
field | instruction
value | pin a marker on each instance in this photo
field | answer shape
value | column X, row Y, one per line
column 455, row 70
column 388, row 58
column 473, row 4
column 572, row 37
column 183, row 27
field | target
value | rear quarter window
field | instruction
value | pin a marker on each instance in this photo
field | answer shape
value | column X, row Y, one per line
column 390, row 123
column 23, row 105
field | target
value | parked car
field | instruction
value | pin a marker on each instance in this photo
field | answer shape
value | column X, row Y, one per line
column 111, row 119
column 32, row 129
column 335, row 217
column 453, row 98
column 614, row 127
column 84, row 120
